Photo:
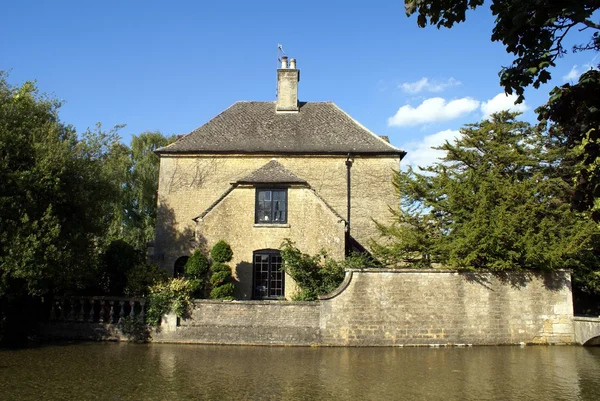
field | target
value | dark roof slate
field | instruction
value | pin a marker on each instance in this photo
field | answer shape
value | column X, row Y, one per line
column 271, row 173
column 256, row 127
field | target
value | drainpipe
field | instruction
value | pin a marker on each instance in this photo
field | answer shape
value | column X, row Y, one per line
column 349, row 162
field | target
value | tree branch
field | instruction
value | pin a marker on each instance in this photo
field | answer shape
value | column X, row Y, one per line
column 590, row 24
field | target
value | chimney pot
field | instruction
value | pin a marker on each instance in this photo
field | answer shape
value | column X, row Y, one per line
column 284, row 62
column 293, row 63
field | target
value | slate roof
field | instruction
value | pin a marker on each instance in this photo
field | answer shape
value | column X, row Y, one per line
column 271, row 173
column 256, row 127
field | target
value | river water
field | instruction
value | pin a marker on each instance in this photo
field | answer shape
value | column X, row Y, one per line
column 112, row 371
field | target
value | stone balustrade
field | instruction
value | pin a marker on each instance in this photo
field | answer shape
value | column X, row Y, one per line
column 101, row 309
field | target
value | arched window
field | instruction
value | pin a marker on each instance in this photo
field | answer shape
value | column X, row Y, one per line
column 179, row 268
column 268, row 280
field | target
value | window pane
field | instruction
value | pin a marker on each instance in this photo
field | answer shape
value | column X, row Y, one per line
column 271, row 206
column 264, row 211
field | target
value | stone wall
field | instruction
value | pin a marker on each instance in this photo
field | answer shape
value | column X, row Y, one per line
column 188, row 185
column 245, row 322
column 378, row 307
column 396, row 307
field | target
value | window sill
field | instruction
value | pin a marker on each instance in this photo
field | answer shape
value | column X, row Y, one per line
column 263, row 225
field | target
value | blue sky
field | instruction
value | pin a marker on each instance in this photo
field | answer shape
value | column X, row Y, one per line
column 173, row 66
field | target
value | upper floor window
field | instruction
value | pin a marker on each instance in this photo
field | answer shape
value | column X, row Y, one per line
column 271, row 206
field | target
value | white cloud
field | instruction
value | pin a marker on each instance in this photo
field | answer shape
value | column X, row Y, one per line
column 575, row 72
column 502, row 102
column 424, row 84
column 434, row 109
column 572, row 75
column 421, row 153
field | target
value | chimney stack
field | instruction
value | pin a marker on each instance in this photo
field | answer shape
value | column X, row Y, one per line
column 288, row 77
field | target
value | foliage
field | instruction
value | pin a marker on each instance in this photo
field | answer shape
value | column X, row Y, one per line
column 497, row 201
column 224, row 291
column 174, row 295
column 141, row 277
column 221, row 273
column 134, row 170
column 533, row 31
column 53, row 195
column 220, row 277
column 573, row 115
column 221, row 252
column 116, row 262
column 197, row 265
column 196, row 270
column 315, row 275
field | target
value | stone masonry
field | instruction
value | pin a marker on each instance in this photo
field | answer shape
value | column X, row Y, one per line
column 379, row 307
column 189, row 185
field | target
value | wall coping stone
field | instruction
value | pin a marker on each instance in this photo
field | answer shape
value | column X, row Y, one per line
column 587, row 319
column 443, row 270
column 342, row 286
column 282, row 302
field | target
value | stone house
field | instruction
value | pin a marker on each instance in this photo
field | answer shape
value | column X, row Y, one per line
column 261, row 172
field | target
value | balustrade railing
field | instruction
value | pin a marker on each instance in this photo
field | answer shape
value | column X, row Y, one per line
column 96, row 309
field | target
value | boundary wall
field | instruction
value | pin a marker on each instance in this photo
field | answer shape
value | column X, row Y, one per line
column 395, row 307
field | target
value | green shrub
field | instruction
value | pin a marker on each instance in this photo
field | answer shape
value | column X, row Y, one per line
column 196, row 270
column 315, row 275
column 224, row 291
column 221, row 252
column 196, row 266
column 220, row 278
column 221, row 273
column 173, row 295
column 139, row 279
column 219, row 267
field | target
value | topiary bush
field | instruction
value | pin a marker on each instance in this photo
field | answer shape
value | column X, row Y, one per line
column 196, row 270
column 220, row 277
column 221, row 252
column 196, row 266
column 224, row 291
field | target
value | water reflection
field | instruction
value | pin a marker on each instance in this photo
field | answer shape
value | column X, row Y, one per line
column 191, row 372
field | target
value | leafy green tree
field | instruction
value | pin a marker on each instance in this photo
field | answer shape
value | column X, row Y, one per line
column 532, row 30
column 497, row 201
column 115, row 264
column 134, row 170
column 53, row 194
column 142, row 188
column 572, row 115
